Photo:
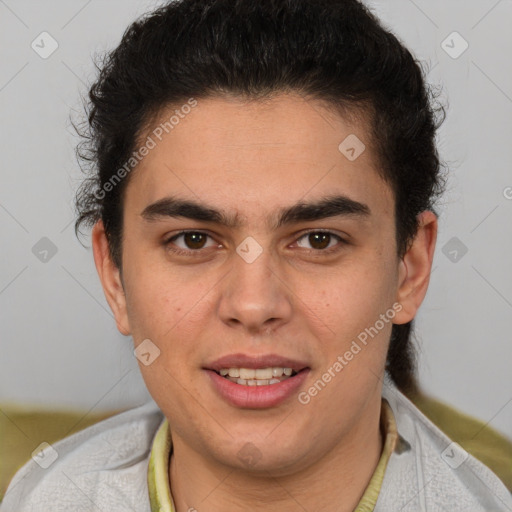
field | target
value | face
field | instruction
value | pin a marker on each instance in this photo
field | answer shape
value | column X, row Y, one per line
column 287, row 260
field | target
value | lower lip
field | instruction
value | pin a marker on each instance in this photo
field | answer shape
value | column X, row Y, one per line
column 257, row 397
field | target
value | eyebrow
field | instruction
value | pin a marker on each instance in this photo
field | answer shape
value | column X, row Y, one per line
column 333, row 206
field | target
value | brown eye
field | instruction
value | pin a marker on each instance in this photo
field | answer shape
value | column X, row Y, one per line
column 194, row 240
column 319, row 240
column 189, row 241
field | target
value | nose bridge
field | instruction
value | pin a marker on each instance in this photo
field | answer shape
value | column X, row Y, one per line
column 254, row 294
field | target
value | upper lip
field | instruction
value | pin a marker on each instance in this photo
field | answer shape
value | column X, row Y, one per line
column 255, row 362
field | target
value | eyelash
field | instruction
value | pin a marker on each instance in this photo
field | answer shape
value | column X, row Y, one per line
column 197, row 252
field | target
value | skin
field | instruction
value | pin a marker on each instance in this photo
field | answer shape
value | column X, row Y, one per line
column 251, row 159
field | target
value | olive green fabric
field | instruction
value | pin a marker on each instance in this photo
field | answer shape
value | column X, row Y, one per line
column 22, row 431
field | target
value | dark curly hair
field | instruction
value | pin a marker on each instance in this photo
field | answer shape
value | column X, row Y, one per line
column 331, row 50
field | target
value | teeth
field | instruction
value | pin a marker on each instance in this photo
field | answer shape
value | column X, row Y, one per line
column 259, row 374
column 246, row 373
column 256, row 377
column 277, row 372
column 264, row 373
column 255, row 382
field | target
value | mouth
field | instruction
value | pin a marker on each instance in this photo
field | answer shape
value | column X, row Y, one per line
column 256, row 382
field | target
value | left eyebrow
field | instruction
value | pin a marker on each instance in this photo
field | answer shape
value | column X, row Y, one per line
column 333, row 206
column 336, row 206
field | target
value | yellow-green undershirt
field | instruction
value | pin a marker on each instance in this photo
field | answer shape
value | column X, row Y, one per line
column 158, row 470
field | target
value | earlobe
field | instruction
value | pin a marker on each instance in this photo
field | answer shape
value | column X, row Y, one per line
column 415, row 268
column 110, row 278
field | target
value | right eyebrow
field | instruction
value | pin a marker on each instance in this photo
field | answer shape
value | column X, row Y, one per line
column 175, row 207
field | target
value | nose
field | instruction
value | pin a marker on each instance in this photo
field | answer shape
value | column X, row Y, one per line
column 255, row 296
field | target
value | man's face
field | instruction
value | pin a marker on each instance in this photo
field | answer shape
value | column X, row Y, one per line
column 261, row 293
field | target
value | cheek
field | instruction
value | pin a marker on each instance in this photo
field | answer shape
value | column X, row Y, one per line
column 165, row 311
column 173, row 310
column 152, row 310
column 351, row 297
column 159, row 299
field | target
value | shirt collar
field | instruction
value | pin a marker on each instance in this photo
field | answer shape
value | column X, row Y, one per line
column 160, row 497
column 158, row 470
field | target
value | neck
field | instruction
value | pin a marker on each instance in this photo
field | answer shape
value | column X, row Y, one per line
column 336, row 482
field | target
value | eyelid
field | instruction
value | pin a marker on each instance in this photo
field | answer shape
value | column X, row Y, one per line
column 321, row 230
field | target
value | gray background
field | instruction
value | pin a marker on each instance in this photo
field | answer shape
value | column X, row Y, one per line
column 59, row 344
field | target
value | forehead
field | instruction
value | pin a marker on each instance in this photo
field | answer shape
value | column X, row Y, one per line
column 249, row 156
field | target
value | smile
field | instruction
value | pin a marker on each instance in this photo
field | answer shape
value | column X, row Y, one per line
column 258, row 376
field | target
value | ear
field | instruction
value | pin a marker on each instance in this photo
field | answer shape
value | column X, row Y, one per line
column 415, row 268
column 110, row 277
